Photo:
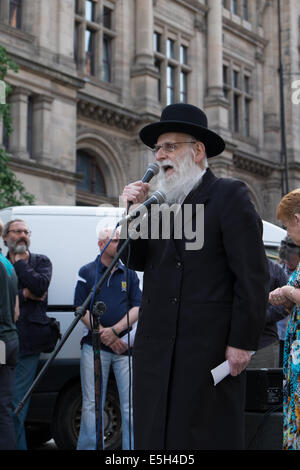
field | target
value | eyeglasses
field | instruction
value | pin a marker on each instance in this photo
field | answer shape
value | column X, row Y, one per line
column 169, row 147
column 19, row 232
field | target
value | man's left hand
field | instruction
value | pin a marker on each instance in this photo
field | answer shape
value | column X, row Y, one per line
column 238, row 359
column 119, row 346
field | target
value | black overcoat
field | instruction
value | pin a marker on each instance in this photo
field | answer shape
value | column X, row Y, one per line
column 195, row 303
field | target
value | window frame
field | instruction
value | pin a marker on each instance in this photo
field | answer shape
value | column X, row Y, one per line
column 19, row 12
column 165, row 40
column 99, row 32
column 237, row 89
column 93, row 168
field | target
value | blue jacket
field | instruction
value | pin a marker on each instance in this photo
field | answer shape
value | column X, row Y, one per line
column 36, row 276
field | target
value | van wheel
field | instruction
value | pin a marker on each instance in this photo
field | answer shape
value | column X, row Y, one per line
column 66, row 421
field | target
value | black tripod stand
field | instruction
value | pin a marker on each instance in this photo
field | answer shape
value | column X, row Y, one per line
column 79, row 314
column 98, row 309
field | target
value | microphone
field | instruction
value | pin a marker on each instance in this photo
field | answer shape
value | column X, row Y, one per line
column 151, row 171
column 157, row 198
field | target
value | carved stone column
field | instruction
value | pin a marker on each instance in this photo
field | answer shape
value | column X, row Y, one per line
column 41, row 148
column 144, row 32
column 216, row 105
column 271, row 83
column 143, row 74
column 214, row 48
column 19, row 113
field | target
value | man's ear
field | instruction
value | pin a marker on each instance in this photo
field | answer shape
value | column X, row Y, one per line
column 199, row 152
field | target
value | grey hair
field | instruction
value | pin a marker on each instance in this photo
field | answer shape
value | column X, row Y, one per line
column 8, row 224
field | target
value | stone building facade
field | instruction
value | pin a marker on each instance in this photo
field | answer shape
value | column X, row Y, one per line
column 93, row 72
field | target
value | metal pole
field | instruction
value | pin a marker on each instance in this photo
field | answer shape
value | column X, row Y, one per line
column 98, row 309
column 283, row 153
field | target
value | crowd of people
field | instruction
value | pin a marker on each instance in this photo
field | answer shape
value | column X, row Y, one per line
column 198, row 308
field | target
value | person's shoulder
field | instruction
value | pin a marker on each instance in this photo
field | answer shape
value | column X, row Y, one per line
column 87, row 268
column 40, row 257
column 230, row 183
column 6, row 266
column 230, row 188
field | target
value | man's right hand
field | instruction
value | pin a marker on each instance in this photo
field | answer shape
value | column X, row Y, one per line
column 23, row 256
column 136, row 192
column 29, row 295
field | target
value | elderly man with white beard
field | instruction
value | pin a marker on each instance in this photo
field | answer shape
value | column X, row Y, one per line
column 200, row 306
column 34, row 273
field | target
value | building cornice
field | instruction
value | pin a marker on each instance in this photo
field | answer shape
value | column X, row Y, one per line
column 238, row 30
column 107, row 113
column 35, row 64
column 253, row 164
column 193, row 5
column 17, row 33
column 34, row 168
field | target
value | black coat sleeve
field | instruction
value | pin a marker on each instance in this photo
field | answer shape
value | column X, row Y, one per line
column 36, row 279
column 242, row 231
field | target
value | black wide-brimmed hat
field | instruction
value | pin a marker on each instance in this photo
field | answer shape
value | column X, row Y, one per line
column 187, row 119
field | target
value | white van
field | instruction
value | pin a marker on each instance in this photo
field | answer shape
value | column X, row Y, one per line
column 67, row 235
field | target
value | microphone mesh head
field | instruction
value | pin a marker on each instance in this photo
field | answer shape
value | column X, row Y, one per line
column 160, row 196
column 154, row 167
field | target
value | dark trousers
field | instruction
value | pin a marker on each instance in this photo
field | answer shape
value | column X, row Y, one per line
column 7, row 371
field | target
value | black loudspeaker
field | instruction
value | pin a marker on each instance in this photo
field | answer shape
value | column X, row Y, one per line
column 264, row 430
column 263, row 411
column 264, row 389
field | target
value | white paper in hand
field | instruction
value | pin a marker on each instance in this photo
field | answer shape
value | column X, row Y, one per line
column 220, row 372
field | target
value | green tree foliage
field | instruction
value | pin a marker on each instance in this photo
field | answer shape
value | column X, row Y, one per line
column 12, row 190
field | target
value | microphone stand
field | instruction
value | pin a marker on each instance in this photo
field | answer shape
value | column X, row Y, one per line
column 79, row 314
column 98, row 310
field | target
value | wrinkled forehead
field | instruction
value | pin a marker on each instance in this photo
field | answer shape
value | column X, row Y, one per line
column 18, row 226
column 174, row 137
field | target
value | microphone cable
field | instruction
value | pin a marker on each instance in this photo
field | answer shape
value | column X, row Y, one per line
column 129, row 353
column 98, row 431
column 128, row 340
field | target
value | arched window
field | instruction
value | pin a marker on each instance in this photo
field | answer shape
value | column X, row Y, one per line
column 92, row 182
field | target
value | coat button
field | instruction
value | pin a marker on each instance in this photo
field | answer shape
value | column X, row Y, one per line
column 174, row 300
column 178, row 264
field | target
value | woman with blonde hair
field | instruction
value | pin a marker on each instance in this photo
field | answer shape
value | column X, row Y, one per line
column 288, row 211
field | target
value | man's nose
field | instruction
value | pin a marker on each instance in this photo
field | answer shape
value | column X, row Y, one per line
column 161, row 155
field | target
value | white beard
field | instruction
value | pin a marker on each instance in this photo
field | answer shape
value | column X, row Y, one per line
column 179, row 184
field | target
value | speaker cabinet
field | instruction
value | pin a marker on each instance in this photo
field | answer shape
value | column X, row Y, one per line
column 264, row 389
column 263, row 412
